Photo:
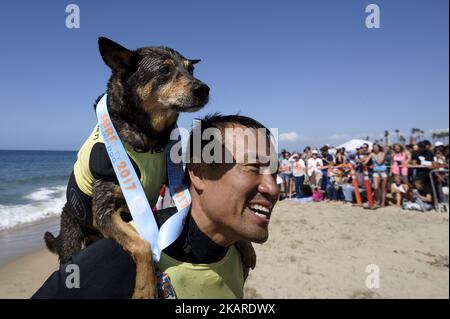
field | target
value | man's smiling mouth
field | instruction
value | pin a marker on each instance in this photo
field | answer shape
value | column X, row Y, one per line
column 260, row 210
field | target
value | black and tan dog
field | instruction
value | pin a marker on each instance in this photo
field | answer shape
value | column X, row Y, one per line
column 148, row 89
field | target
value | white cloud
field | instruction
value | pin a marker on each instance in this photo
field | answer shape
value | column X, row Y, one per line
column 290, row 137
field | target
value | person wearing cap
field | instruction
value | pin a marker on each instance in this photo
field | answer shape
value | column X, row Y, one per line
column 286, row 172
column 314, row 170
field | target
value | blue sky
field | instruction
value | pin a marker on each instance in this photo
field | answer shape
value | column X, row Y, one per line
column 309, row 68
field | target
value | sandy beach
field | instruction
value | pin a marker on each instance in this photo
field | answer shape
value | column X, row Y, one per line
column 317, row 250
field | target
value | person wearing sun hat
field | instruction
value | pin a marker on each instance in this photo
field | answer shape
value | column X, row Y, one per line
column 314, row 169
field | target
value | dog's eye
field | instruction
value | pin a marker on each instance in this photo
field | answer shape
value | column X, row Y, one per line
column 165, row 70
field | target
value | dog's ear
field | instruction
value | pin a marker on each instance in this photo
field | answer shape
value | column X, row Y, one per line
column 115, row 56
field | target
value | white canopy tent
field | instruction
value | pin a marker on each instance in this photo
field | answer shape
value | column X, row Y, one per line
column 352, row 145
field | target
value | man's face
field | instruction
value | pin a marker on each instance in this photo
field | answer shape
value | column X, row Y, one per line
column 237, row 198
column 418, row 185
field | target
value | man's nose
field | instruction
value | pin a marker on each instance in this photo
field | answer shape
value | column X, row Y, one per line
column 269, row 186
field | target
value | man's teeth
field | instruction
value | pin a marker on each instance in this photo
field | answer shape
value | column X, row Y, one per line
column 260, row 215
column 260, row 209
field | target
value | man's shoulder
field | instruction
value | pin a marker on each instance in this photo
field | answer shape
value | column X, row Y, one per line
column 106, row 271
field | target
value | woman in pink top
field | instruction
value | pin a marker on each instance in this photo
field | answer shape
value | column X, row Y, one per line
column 399, row 157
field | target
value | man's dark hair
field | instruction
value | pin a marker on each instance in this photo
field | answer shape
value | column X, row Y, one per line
column 324, row 149
column 422, row 145
column 218, row 121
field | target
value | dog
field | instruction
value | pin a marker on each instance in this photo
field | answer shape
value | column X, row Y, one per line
column 147, row 90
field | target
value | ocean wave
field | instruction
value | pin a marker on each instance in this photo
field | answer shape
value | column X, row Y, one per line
column 46, row 202
column 45, row 193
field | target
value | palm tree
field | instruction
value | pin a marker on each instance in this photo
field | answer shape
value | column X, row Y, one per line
column 416, row 134
column 386, row 138
column 402, row 139
column 443, row 137
column 413, row 133
column 397, row 131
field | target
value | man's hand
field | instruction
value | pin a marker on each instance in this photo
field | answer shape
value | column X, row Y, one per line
column 248, row 256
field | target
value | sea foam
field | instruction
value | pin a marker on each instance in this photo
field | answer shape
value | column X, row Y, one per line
column 45, row 202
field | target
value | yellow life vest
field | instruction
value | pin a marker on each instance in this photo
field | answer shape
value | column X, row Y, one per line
column 152, row 167
column 220, row 280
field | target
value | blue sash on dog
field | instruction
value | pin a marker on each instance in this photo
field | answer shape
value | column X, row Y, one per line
column 136, row 200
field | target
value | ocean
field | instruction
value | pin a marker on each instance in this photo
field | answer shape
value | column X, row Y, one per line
column 32, row 185
column 32, row 194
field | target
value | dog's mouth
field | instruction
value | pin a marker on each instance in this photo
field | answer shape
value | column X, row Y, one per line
column 187, row 108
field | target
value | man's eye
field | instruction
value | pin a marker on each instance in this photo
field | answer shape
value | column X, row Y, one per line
column 165, row 70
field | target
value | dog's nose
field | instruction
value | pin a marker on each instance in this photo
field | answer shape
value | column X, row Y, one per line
column 201, row 91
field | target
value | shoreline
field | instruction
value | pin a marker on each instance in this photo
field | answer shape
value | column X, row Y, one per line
column 26, row 238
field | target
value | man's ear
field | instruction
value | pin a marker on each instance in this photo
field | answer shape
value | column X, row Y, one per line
column 195, row 172
column 115, row 56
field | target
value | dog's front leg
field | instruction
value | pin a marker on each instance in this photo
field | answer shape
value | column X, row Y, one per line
column 106, row 204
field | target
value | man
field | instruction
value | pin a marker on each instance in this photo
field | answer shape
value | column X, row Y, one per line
column 286, row 172
column 422, row 197
column 327, row 160
column 348, row 188
column 231, row 204
column 423, row 157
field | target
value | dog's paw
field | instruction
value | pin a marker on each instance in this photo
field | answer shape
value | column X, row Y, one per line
column 144, row 294
column 145, row 288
